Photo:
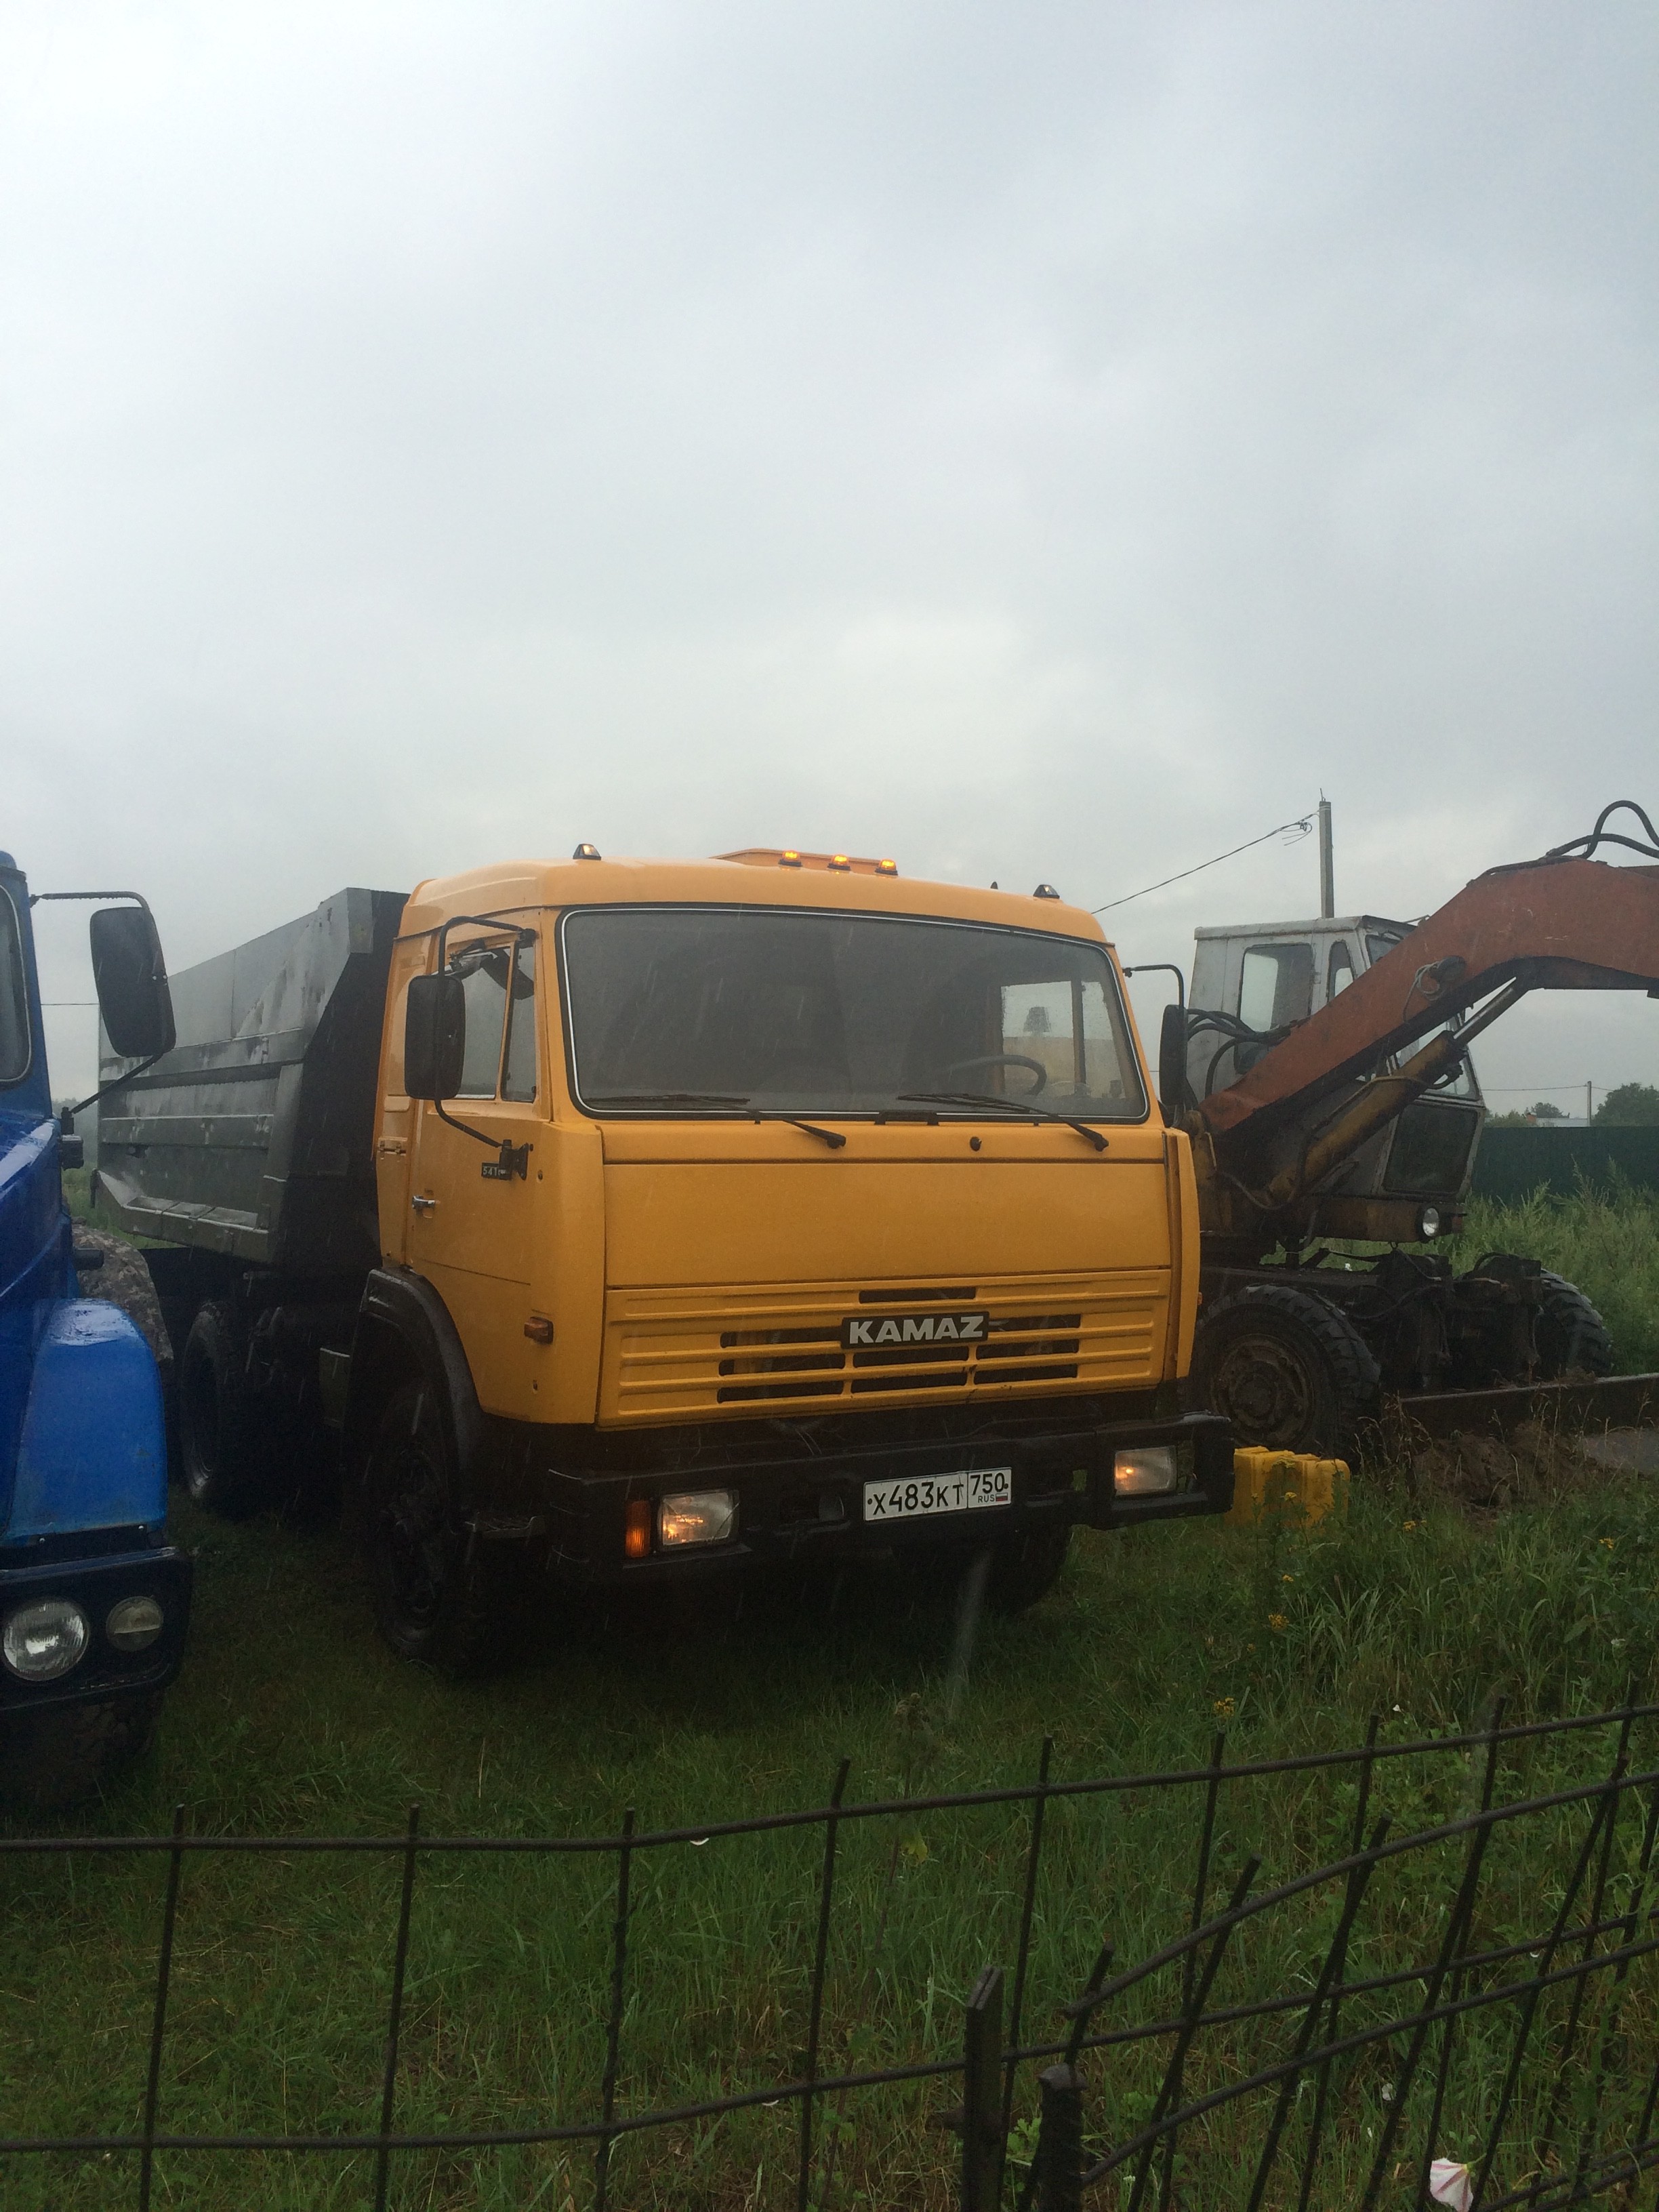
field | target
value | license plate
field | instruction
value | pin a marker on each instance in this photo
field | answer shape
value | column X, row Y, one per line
column 916, row 1497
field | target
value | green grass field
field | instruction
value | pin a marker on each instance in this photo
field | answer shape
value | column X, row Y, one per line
column 292, row 1718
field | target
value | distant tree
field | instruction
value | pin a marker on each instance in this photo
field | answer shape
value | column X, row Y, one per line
column 1543, row 1111
column 1631, row 1106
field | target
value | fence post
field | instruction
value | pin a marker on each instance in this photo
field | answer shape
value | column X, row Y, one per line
column 1059, row 2141
column 981, row 2098
column 158, row 2024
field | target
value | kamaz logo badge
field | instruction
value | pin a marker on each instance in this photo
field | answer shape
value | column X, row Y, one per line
column 859, row 1330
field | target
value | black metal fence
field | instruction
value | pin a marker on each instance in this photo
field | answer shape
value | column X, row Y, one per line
column 1465, row 2012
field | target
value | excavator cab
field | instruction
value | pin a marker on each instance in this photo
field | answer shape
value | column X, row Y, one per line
column 1409, row 1182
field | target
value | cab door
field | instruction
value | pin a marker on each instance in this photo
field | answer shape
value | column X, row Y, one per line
column 474, row 1166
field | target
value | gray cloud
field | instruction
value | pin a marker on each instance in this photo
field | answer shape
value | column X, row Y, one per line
column 1035, row 442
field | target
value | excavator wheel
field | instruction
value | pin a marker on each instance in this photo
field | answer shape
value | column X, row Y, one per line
column 1287, row 1368
column 1571, row 1337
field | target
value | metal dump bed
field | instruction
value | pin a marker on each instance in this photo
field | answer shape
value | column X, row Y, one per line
column 253, row 1137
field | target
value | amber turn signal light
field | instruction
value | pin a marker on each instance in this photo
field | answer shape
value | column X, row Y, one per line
column 887, row 867
column 789, row 860
column 840, row 861
column 636, row 1529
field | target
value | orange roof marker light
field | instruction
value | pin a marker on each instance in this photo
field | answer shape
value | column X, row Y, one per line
column 789, row 856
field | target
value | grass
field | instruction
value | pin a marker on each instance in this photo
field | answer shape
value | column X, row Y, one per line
column 292, row 1718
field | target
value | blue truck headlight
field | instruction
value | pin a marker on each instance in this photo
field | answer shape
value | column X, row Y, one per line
column 697, row 1516
column 41, row 1641
column 134, row 1624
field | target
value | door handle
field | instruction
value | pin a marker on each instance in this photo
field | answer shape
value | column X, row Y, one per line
column 424, row 1204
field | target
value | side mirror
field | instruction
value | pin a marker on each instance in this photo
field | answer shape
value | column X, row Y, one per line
column 1173, row 1089
column 130, row 978
column 434, row 1037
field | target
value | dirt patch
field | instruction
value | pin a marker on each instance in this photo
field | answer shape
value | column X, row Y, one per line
column 1487, row 1475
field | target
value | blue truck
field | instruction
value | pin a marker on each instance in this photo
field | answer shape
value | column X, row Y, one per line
column 95, row 1603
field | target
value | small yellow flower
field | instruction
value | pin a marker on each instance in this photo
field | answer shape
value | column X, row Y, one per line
column 1224, row 1709
column 1287, row 1579
column 1408, row 1526
column 1607, row 1543
column 1278, row 1623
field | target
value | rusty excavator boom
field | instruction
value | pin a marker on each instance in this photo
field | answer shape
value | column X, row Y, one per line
column 1322, row 1069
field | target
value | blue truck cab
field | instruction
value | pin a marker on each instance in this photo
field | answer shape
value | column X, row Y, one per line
column 94, row 1603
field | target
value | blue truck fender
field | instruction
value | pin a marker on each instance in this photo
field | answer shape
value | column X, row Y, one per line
column 93, row 1451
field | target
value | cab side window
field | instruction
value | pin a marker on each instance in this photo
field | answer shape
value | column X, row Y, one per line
column 499, row 982
column 483, row 971
column 1339, row 971
column 519, row 1077
column 1276, row 987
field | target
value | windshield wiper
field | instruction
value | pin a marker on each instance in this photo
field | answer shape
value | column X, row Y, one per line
column 667, row 1098
column 832, row 1138
column 1020, row 1106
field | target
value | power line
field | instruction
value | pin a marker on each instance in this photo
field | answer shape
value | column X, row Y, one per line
column 1302, row 825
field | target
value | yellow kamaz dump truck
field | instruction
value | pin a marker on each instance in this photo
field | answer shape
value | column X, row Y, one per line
column 628, row 1220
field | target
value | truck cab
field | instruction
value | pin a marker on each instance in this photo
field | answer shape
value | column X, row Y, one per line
column 93, row 1602
column 1410, row 1181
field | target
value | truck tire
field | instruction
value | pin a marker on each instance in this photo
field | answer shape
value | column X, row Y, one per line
column 219, row 1451
column 1287, row 1368
column 1026, row 1568
column 440, row 1595
column 1023, row 1568
column 1571, row 1336
column 117, row 1274
column 50, row 1761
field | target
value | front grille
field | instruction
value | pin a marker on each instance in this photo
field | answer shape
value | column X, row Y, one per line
column 674, row 1356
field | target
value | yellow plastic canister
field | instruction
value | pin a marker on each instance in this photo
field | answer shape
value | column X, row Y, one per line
column 1289, row 1486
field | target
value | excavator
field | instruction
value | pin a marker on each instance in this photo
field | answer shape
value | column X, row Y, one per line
column 1322, row 1071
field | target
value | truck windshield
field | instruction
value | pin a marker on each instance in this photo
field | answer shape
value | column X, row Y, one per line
column 711, row 1009
column 14, row 1054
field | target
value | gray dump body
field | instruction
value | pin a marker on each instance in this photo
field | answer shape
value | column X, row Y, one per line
column 254, row 1136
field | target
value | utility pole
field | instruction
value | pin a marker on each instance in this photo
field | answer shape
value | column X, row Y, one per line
column 1327, row 865
column 1589, row 1095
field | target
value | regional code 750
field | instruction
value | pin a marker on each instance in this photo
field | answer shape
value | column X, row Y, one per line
column 912, row 1497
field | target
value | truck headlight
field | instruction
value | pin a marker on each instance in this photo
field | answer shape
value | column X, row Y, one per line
column 697, row 1516
column 134, row 1624
column 1145, row 1469
column 42, row 1641
column 1428, row 1224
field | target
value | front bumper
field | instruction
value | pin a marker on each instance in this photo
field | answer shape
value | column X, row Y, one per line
column 95, row 1584
column 812, row 1508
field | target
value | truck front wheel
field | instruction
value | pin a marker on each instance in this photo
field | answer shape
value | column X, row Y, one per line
column 216, row 1441
column 439, row 1593
column 1286, row 1368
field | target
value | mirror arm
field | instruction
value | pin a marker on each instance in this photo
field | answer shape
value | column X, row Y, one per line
column 117, row 1082
column 466, row 1130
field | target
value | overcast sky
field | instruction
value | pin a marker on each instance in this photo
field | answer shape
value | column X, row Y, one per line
column 1036, row 440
